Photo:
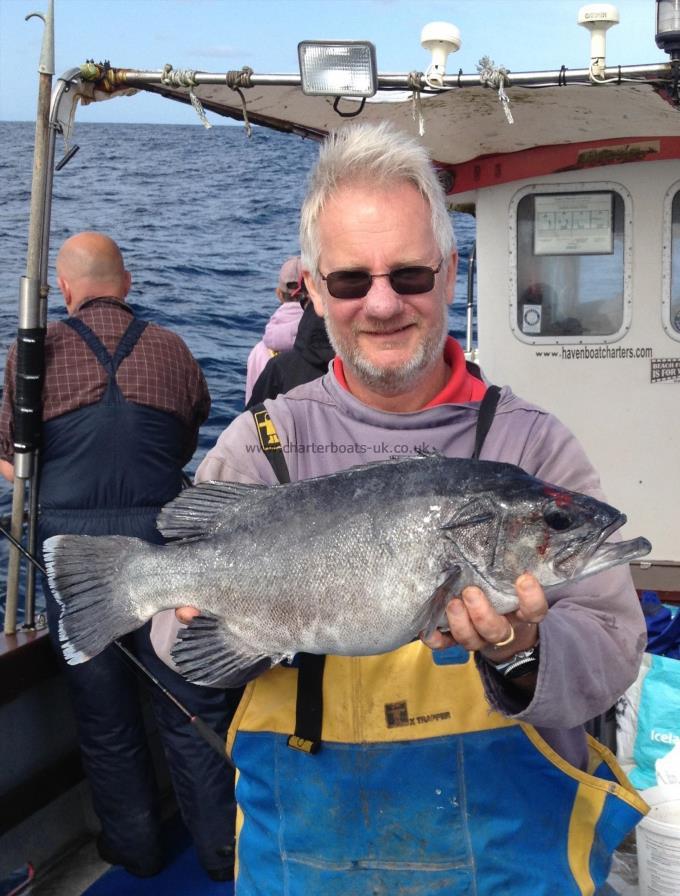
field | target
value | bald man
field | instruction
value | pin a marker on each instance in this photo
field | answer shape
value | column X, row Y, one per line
column 90, row 263
column 123, row 401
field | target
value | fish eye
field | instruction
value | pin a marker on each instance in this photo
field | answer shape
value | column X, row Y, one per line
column 557, row 519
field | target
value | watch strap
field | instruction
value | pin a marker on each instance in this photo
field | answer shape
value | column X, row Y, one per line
column 522, row 663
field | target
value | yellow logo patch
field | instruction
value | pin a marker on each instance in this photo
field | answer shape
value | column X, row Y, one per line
column 266, row 432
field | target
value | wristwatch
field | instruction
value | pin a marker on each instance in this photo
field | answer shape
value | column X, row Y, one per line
column 522, row 663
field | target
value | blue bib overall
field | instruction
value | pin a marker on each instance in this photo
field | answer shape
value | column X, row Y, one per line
column 107, row 469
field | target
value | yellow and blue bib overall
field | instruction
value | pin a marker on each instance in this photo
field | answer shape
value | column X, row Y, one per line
column 417, row 787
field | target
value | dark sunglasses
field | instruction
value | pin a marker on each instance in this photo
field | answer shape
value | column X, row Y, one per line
column 404, row 281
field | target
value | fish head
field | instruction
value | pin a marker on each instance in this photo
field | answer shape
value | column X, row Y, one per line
column 525, row 525
column 561, row 536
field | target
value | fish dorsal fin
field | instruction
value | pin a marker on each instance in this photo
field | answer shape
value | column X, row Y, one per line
column 199, row 510
column 428, row 452
column 418, row 457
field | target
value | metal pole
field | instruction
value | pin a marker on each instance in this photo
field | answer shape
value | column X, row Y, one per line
column 472, row 264
column 402, row 81
column 29, row 603
column 29, row 304
column 32, row 541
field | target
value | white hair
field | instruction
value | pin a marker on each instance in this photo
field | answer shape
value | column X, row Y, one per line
column 372, row 154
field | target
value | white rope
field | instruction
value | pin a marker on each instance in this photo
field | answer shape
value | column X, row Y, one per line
column 198, row 108
column 184, row 77
column 416, row 107
column 496, row 76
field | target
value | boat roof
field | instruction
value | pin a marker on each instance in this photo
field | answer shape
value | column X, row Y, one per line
column 461, row 124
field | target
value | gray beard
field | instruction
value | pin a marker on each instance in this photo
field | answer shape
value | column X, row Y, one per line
column 391, row 380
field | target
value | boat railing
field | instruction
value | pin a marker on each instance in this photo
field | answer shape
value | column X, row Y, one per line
column 119, row 77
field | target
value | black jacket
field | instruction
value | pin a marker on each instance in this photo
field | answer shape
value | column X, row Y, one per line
column 308, row 359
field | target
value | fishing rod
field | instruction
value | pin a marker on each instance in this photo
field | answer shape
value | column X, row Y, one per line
column 209, row 735
column 30, row 343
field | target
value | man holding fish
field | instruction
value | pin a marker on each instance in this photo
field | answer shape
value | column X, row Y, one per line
column 456, row 763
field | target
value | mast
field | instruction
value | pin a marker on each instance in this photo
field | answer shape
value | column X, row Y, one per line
column 31, row 334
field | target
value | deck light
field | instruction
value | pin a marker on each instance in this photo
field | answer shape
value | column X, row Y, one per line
column 668, row 27
column 338, row 68
column 440, row 38
column 598, row 18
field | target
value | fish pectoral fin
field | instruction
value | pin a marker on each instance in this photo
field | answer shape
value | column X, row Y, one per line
column 199, row 510
column 474, row 530
column 479, row 512
column 434, row 611
column 207, row 653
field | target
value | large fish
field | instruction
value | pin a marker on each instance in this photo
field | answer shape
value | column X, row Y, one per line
column 355, row 563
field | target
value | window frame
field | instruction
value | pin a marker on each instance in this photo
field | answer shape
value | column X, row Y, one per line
column 667, row 260
column 578, row 187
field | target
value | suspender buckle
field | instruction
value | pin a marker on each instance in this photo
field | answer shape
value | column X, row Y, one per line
column 303, row 745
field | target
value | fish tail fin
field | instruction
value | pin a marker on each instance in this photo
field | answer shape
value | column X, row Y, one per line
column 82, row 572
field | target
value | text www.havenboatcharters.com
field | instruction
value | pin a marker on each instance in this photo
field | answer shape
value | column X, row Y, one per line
column 599, row 352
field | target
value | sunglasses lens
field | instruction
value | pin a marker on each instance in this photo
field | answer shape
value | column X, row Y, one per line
column 405, row 281
column 412, row 281
column 348, row 284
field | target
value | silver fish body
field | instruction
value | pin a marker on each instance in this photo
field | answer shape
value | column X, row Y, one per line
column 355, row 563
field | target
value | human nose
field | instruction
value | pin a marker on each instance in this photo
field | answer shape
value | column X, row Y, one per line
column 381, row 300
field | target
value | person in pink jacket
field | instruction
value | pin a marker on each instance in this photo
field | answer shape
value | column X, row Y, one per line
column 282, row 327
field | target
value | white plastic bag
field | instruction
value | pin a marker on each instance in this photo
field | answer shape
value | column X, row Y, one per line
column 648, row 719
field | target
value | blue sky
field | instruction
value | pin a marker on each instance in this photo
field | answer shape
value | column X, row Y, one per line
column 218, row 35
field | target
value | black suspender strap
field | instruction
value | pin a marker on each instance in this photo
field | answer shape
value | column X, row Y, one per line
column 487, row 409
column 127, row 342
column 309, row 704
column 309, row 701
column 92, row 341
column 270, row 442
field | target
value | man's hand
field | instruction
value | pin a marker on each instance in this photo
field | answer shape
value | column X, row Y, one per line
column 7, row 470
column 475, row 625
column 186, row 614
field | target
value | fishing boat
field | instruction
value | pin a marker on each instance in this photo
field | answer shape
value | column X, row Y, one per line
column 574, row 178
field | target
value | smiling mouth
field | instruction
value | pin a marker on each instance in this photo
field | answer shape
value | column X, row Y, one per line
column 395, row 331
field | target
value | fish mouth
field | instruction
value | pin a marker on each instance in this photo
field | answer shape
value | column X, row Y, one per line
column 575, row 563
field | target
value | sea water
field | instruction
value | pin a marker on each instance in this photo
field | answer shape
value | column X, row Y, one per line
column 204, row 219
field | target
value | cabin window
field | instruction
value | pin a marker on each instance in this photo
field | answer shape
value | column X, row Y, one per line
column 674, row 277
column 570, row 266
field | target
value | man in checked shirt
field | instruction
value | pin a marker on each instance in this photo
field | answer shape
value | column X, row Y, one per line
column 123, row 401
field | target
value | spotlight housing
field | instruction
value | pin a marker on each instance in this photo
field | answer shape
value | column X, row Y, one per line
column 338, row 68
